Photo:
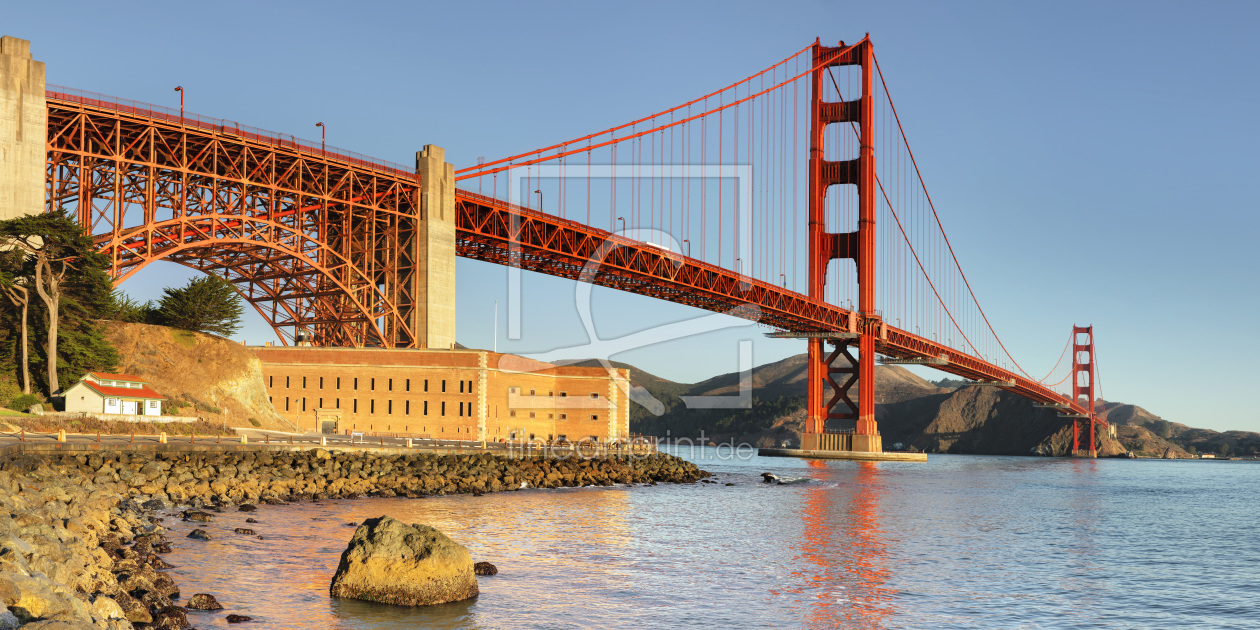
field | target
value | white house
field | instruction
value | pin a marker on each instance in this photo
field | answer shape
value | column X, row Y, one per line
column 98, row 392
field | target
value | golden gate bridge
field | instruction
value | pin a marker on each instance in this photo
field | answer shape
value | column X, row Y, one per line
column 759, row 186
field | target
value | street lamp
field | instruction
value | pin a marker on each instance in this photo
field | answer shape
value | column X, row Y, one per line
column 688, row 244
column 180, row 89
column 540, row 200
column 623, row 223
column 322, row 136
column 783, row 277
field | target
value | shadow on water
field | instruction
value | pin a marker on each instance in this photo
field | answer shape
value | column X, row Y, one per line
column 349, row 613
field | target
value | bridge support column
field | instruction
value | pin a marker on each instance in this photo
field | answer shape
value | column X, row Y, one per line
column 23, row 130
column 435, row 260
column 1084, row 440
column 859, row 245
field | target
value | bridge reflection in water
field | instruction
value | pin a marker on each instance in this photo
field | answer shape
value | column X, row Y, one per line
column 844, row 564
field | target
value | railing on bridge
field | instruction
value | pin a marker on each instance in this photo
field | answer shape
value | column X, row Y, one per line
column 219, row 125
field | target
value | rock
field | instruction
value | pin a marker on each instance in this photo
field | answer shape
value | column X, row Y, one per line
column 391, row 562
column 352, row 524
column 199, row 534
column 238, row 618
column 245, row 531
column 769, row 477
column 200, row 517
column 7, row 619
column 104, row 608
column 730, row 484
column 246, row 507
column 203, row 601
column 171, row 618
column 485, row 568
column 251, row 520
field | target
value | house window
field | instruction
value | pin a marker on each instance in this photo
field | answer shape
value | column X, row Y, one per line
column 153, row 404
column 111, row 402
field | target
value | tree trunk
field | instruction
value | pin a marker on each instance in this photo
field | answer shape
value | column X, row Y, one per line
column 21, row 298
column 51, row 295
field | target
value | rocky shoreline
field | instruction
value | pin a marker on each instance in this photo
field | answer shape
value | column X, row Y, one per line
column 80, row 546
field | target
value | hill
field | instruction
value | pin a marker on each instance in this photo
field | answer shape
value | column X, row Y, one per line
column 948, row 415
column 201, row 374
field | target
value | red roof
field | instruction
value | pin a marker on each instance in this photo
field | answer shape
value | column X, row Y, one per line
column 105, row 376
column 124, row 392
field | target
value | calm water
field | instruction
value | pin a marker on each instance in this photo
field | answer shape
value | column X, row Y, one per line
column 959, row 542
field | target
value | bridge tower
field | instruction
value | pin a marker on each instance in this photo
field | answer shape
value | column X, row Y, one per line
column 1083, row 439
column 23, row 130
column 858, row 245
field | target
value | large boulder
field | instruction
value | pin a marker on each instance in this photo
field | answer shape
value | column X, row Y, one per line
column 391, row 562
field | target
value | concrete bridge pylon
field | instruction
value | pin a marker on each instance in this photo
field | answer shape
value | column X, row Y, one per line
column 23, row 130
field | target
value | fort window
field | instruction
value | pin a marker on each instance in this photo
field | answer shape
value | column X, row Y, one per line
column 303, row 382
column 338, row 382
column 407, row 385
column 443, row 386
column 303, row 403
column 564, row 416
column 390, row 385
column 321, row 403
column 372, row 384
column 551, row 416
column 461, row 406
column 444, row 406
column 321, row 382
column 531, row 414
column 271, row 381
column 286, row 403
column 594, row 394
column 356, row 383
column 594, row 416
column 469, row 387
column 406, row 407
column 531, row 392
column 426, row 384
column 286, row 382
column 461, row 387
column 389, row 407
column 426, row 407
column 338, row 403
column 372, row 405
column 512, row 414
column 564, row 394
column 354, row 406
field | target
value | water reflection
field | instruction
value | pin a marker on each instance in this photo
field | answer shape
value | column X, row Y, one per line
column 845, row 547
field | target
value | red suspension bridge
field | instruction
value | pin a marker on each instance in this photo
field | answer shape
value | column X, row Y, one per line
column 705, row 204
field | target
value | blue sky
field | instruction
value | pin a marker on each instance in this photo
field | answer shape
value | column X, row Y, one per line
column 1093, row 162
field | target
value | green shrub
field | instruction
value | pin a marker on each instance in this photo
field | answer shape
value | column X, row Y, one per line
column 8, row 391
column 255, row 422
column 23, row 401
